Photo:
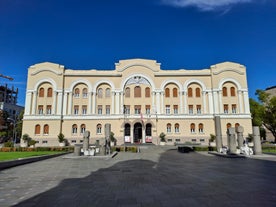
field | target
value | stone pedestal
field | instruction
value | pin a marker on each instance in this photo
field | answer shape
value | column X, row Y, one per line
column 231, row 139
column 77, row 150
column 107, row 130
column 86, row 140
column 257, row 141
column 218, row 133
column 240, row 131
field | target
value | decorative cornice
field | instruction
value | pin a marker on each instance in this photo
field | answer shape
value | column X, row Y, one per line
column 229, row 69
column 46, row 69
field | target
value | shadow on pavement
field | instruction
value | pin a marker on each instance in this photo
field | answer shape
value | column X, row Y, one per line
column 178, row 179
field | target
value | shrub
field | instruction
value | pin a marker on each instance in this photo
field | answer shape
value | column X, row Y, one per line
column 8, row 144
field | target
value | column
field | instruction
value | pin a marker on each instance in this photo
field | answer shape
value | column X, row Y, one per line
column 204, row 102
column 54, row 104
column 246, row 102
column 185, row 102
column 89, row 108
column 153, row 96
column 60, row 104
column 220, row 102
column 121, row 111
column 216, row 106
column 112, row 102
column 158, row 102
column 181, row 102
column 28, row 103
column 117, row 102
column 34, row 102
column 65, row 103
column 240, row 102
column 162, row 102
column 93, row 102
column 211, row 103
column 70, row 103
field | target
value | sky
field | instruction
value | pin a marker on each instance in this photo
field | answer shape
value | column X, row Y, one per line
column 179, row 34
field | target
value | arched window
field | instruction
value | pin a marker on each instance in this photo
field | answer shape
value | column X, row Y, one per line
column 192, row 128
column 84, row 93
column 147, row 92
column 137, row 91
column 174, row 92
column 197, row 92
column 82, row 128
column 107, row 92
column 233, row 91
column 200, row 128
column 41, row 92
column 46, row 129
column 169, row 128
column 228, row 125
column 190, row 92
column 49, row 92
column 99, row 128
column 77, row 93
column 176, row 128
column 167, row 92
column 74, row 129
column 224, row 91
column 37, row 129
column 127, row 92
column 100, row 93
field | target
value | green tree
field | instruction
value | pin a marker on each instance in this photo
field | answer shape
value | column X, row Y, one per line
column 267, row 111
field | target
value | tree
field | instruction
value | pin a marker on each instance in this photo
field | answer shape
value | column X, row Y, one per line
column 267, row 111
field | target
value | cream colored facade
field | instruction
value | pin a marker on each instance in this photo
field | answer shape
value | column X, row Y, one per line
column 138, row 99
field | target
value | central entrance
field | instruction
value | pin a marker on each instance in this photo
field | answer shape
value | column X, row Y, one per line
column 138, row 133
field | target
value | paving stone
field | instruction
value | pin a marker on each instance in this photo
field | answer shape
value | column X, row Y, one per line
column 158, row 176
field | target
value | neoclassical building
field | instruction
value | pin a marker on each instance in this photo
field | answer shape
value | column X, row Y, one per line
column 138, row 98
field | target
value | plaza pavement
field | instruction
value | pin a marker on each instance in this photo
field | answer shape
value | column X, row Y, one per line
column 157, row 176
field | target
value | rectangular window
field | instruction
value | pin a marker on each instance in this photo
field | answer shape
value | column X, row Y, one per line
column 198, row 109
column 107, row 109
column 44, row 142
column 175, row 109
column 147, row 109
column 137, row 109
column 191, row 110
column 225, row 108
column 100, row 109
column 234, row 108
column 40, row 109
column 84, row 109
column 168, row 110
column 49, row 109
column 76, row 110
column 126, row 109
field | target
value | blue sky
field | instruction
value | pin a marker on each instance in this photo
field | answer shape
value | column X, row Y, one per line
column 180, row 34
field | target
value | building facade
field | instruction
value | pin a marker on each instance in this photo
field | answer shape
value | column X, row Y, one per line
column 138, row 99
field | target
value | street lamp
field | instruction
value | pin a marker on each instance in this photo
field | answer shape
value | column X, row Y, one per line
column 13, row 130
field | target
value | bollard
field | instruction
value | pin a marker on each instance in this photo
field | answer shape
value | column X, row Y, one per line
column 257, row 141
column 77, row 150
column 231, row 139
column 218, row 133
column 240, row 131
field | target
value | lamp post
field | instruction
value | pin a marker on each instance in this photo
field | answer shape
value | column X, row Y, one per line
column 13, row 130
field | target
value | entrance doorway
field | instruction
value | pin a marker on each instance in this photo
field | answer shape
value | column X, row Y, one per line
column 138, row 133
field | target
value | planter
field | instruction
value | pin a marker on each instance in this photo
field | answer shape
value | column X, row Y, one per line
column 62, row 144
column 162, row 143
column 23, row 144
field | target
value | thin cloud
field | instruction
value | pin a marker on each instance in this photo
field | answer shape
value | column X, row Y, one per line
column 205, row 5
